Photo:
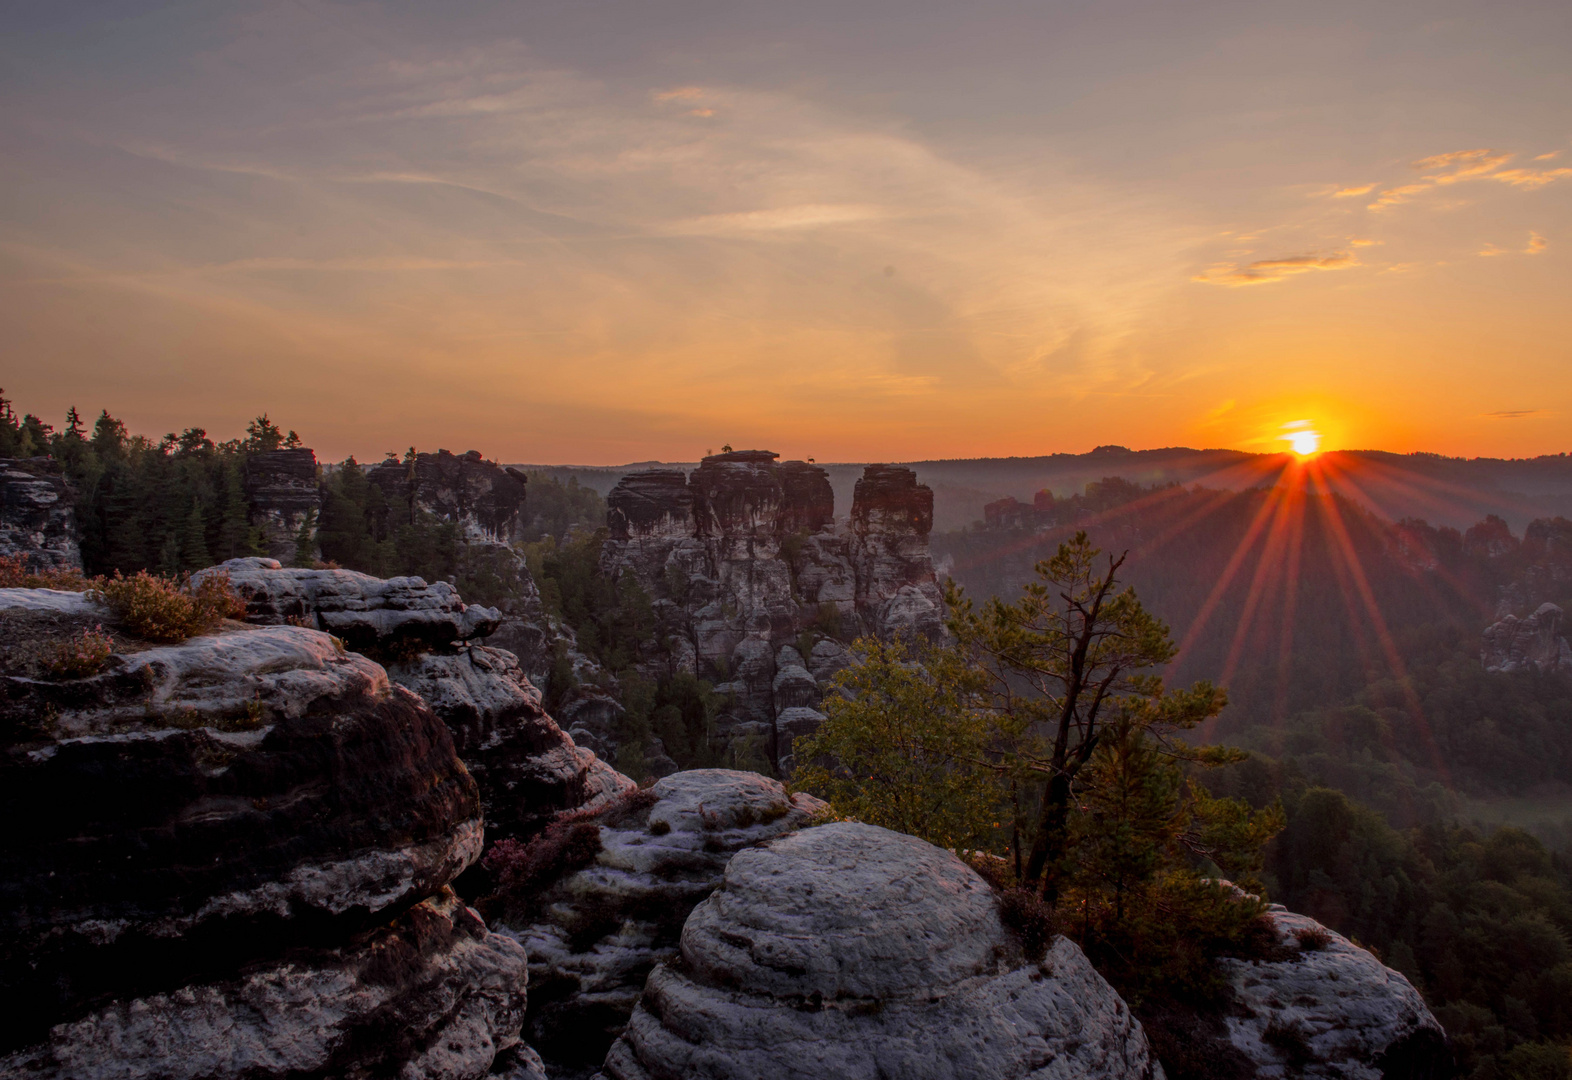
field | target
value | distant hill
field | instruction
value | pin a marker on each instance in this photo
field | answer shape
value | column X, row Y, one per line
column 1442, row 490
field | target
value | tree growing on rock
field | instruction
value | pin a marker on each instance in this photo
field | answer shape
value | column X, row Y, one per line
column 904, row 746
column 1074, row 655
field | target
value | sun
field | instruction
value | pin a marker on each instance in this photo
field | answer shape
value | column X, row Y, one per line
column 1304, row 443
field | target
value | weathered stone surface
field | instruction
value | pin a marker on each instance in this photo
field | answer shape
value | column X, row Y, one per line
column 1347, row 1014
column 1535, row 643
column 791, row 725
column 892, row 515
column 283, row 493
column 202, row 806
column 854, row 952
column 485, row 498
column 38, row 514
column 367, row 612
column 528, row 769
column 653, row 504
column 430, row 995
column 598, row 931
column 54, row 601
column 747, row 560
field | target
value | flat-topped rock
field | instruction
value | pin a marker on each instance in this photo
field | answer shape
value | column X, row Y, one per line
column 431, row 994
column 596, row 933
column 1332, row 1011
column 653, row 503
column 52, row 601
column 367, row 612
column 850, row 951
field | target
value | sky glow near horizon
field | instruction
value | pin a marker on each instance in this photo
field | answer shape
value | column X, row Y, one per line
column 603, row 233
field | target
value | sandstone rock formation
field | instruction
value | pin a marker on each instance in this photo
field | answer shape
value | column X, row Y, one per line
column 283, row 494
column 485, row 498
column 38, row 514
column 850, row 951
column 365, row 612
column 743, row 558
column 1536, row 643
column 1334, row 1010
column 429, row 994
column 596, row 933
column 235, row 850
column 527, row 768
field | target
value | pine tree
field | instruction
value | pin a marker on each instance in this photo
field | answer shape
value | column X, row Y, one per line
column 169, row 555
column 305, row 541
column 193, row 540
column 236, row 537
column 263, row 435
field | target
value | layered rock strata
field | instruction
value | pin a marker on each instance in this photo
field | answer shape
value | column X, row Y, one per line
column 365, row 612
column 284, row 496
column 484, row 498
column 743, row 559
column 850, row 951
column 528, row 769
column 429, row 994
column 38, row 515
column 1333, row 1010
column 597, row 932
column 239, row 846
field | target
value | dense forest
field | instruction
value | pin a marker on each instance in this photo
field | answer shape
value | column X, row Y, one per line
column 1353, row 676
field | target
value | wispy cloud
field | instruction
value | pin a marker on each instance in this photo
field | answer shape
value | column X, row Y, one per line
column 1513, row 414
column 1536, row 244
column 1351, row 192
column 1532, row 179
column 1460, row 165
column 1266, row 271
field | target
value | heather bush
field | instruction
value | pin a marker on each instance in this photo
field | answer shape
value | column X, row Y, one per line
column 521, row 871
column 78, row 657
column 169, row 610
column 14, row 574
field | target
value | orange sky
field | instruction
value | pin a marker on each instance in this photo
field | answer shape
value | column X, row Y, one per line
column 848, row 233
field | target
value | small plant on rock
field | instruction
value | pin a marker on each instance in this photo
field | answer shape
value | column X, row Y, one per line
column 14, row 574
column 78, row 657
column 1312, row 938
column 167, row 610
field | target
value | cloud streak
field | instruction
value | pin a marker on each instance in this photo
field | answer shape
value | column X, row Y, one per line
column 1268, row 271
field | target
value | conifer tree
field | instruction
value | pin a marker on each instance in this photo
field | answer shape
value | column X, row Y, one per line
column 193, row 540
column 305, row 541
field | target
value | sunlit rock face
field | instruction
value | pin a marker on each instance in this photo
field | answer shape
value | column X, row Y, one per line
column 1333, row 1010
column 201, row 838
column 38, row 515
column 595, row 934
column 850, row 951
column 284, row 495
column 1536, row 643
column 744, row 558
